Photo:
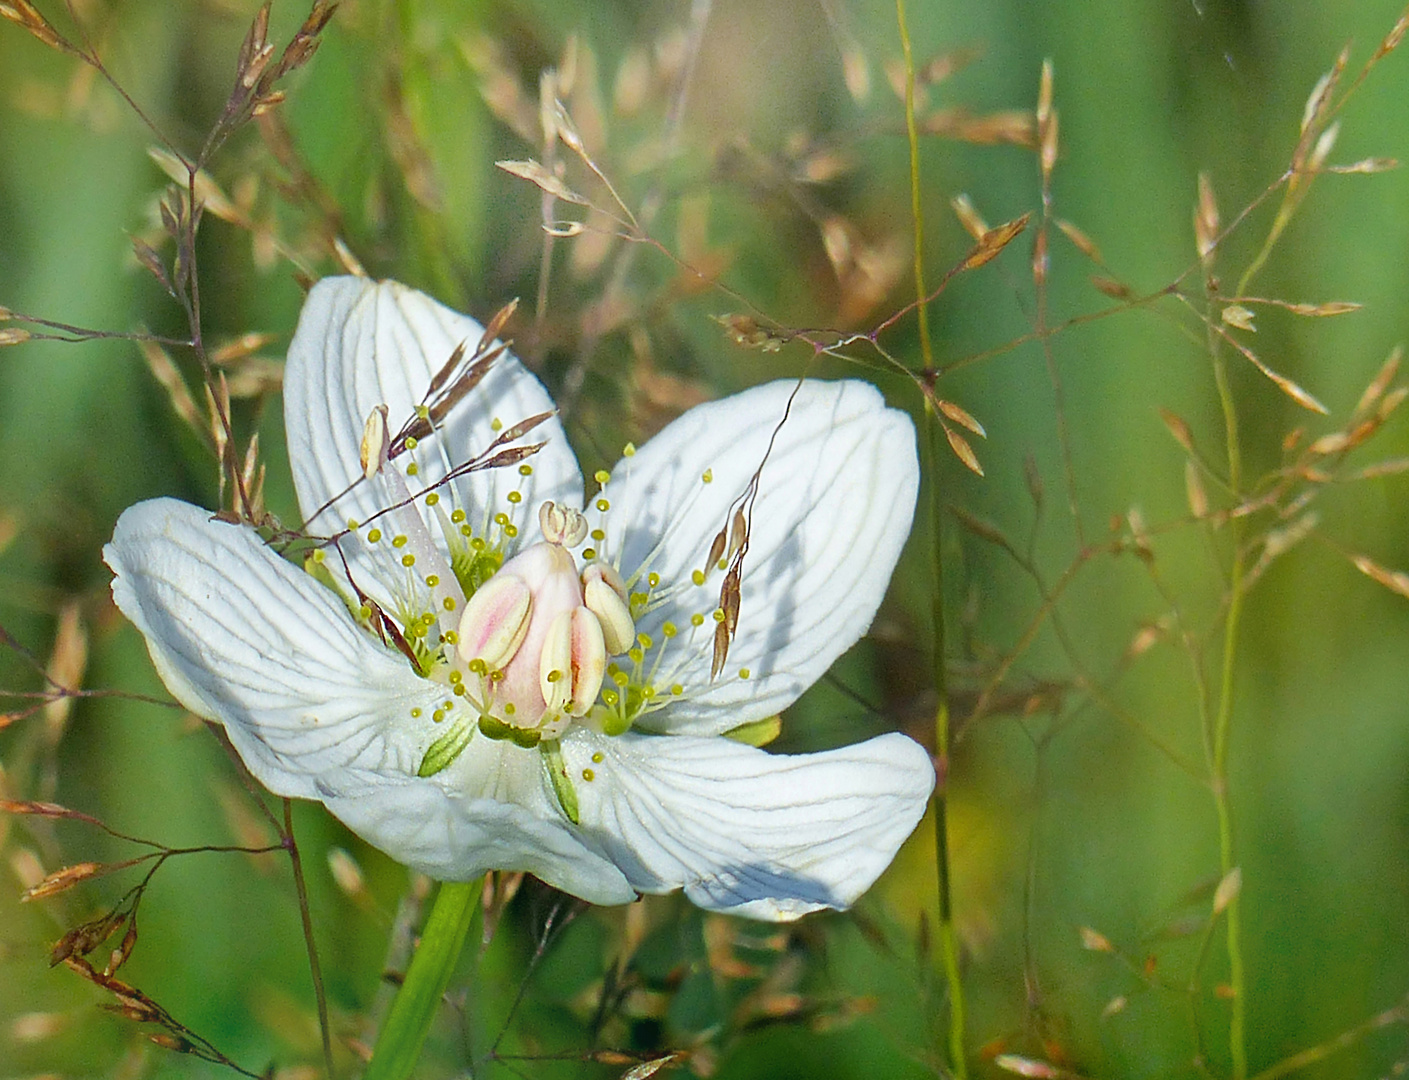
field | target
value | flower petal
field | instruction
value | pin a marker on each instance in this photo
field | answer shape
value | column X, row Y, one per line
column 836, row 497
column 318, row 709
column 361, row 344
column 243, row 638
column 744, row 831
column 441, row 830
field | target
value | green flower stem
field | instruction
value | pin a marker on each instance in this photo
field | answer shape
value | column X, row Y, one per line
column 417, row 1002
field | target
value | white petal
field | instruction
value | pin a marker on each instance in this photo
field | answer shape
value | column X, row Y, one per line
column 440, row 830
column 317, row 709
column 744, row 831
column 243, row 638
column 361, row 344
column 835, row 502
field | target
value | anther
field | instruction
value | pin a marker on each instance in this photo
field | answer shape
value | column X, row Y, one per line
column 603, row 598
column 374, row 442
column 573, row 647
column 495, row 623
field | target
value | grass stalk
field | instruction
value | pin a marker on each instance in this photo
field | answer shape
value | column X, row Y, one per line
column 306, row 915
column 916, row 209
column 1237, row 1024
column 949, row 944
column 948, row 939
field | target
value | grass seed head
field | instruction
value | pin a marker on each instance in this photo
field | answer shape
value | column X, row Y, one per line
column 1095, row 940
column 1179, row 428
column 1228, row 890
column 962, row 450
column 1380, row 384
column 1238, row 316
column 1080, row 240
column 1394, row 580
column 992, row 243
column 1194, row 490
column 968, row 216
column 1206, row 221
column 1116, row 290
column 961, row 416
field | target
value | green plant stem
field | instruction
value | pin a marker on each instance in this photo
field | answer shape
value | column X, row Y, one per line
column 949, row 943
column 917, row 212
column 1237, row 1024
column 948, row 939
column 404, row 1033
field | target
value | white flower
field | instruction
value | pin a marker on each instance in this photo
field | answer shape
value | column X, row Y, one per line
column 467, row 695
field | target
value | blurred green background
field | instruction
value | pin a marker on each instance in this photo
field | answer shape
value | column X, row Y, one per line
column 793, row 188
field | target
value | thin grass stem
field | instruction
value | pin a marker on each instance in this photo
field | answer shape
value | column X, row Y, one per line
column 306, row 915
column 1399, row 1014
column 948, row 940
column 1237, row 1023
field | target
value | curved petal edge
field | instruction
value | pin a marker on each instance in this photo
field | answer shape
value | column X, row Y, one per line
column 747, row 832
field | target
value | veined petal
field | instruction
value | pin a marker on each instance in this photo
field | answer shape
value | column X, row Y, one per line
column 835, row 502
column 243, row 638
column 318, row 709
column 452, row 834
column 360, row 344
column 744, row 831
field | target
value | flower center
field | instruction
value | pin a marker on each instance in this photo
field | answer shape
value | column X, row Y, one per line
column 528, row 646
column 536, row 636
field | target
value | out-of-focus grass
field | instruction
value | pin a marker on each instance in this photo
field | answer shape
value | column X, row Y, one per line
column 1061, row 819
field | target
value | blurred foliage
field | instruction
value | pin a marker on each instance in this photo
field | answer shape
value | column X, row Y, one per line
column 1084, row 862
